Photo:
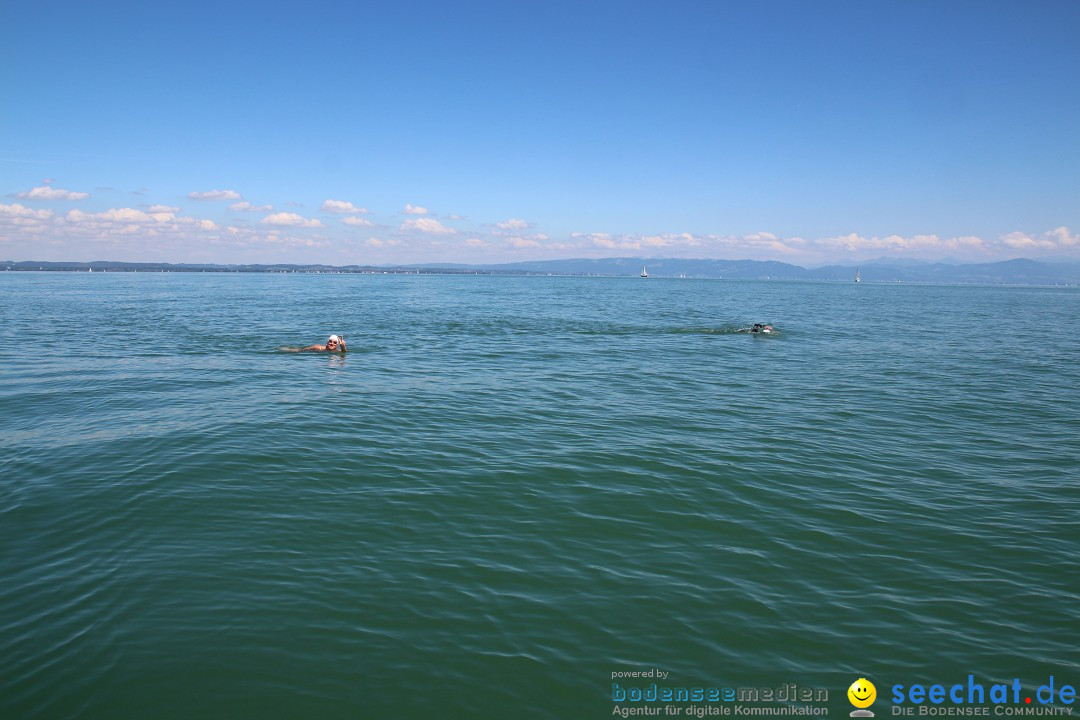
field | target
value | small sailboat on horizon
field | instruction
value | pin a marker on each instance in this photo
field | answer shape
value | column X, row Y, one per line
column 644, row 272
column 858, row 277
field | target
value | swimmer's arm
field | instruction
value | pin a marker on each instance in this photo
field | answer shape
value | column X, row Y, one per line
column 314, row 348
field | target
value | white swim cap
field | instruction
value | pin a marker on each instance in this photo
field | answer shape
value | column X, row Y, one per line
column 335, row 338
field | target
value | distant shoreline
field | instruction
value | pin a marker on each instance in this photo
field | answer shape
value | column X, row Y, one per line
column 1019, row 271
column 152, row 268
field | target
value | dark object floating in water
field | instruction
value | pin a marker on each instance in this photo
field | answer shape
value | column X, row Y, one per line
column 762, row 329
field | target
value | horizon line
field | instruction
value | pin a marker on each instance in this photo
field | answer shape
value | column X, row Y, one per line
column 636, row 259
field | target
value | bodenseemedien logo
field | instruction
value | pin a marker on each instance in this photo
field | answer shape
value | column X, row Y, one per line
column 862, row 694
column 662, row 695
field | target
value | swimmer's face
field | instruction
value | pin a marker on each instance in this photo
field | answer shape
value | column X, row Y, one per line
column 331, row 344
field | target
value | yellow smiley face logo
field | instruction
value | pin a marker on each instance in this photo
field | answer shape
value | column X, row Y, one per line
column 862, row 693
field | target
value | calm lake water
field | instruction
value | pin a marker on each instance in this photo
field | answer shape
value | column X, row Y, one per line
column 513, row 487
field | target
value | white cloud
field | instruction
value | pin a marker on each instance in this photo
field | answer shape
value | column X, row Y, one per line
column 684, row 243
column 1062, row 237
column 245, row 206
column 765, row 241
column 357, row 221
column 215, row 195
column 851, row 242
column 966, row 241
column 379, row 242
column 854, row 242
column 764, row 244
column 258, row 238
column 113, row 215
column 512, row 224
column 50, row 193
column 603, row 240
column 1023, row 241
column 415, row 210
column 163, row 209
column 131, row 225
column 114, row 218
column 20, row 222
column 430, row 226
column 342, row 207
column 656, row 241
column 121, row 215
column 15, row 210
column 523, row 242
column 290, row 220
column 638, row 242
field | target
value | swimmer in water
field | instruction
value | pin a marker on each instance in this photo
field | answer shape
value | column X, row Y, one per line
column 333, row 344
column 760, row 328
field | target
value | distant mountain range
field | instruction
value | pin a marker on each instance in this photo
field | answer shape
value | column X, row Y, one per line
column 1020, row 271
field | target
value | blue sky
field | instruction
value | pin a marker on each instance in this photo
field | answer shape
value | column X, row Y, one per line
column 337, row 132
